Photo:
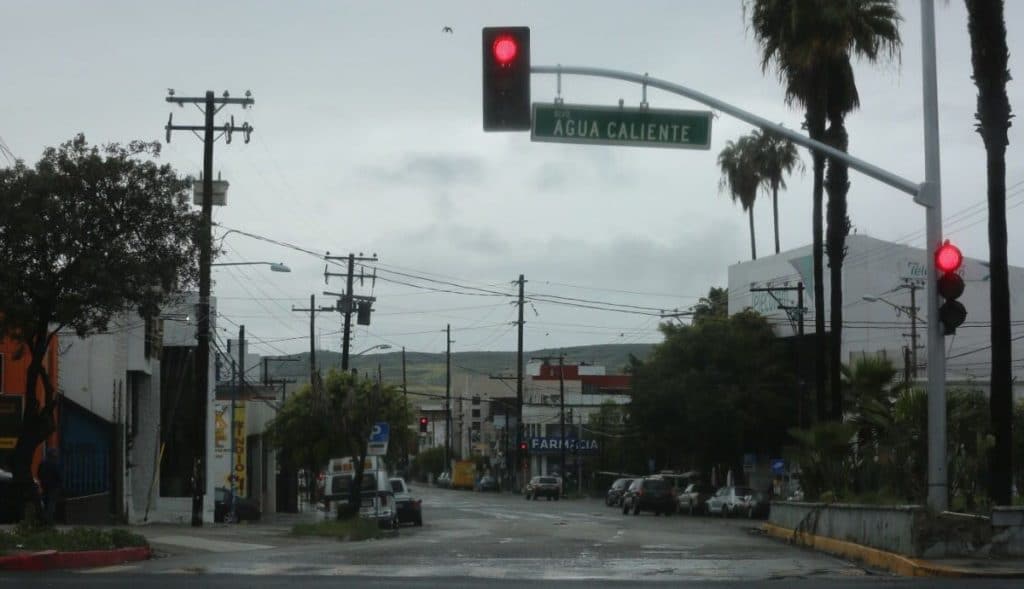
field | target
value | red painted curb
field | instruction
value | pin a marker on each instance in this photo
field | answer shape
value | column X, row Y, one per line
column 51, row 559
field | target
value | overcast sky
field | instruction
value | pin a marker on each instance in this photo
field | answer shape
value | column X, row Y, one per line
column 368, row 138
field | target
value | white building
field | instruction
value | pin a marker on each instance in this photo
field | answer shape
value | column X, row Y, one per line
column 125, row 415
column 879, row 280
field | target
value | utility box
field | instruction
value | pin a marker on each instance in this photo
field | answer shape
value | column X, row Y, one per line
column 220, row 192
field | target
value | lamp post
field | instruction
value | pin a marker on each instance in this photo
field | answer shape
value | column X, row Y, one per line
column 274, row 266
column 371, row 348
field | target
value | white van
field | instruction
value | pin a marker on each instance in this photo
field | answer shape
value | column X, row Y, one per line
column 378, row 499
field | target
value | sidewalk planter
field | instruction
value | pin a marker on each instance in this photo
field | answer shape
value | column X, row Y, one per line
column 51, row 559
column 909, row 530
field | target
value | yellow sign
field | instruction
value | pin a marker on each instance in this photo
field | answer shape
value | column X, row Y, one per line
column 221, row 444
column 8, row 443
column 240, row 478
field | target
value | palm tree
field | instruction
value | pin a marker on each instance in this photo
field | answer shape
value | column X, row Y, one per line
column 777, row 157
column 811, row 43
column 741, row 178
column 989, row 57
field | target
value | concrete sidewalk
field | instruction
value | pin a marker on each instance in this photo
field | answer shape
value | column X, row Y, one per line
column 992, row 568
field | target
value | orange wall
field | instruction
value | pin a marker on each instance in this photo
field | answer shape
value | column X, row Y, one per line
column 15, row 379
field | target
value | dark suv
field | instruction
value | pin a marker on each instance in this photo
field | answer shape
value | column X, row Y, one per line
column 616, row 491
column 543, row 487
column 650, row 494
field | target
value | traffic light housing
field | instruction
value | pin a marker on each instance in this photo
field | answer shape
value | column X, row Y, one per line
column 506, row 76
column 522, row 446
column 952, row 313
column 423, row 425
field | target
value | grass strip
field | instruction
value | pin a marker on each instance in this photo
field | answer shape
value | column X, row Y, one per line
column 349, row 530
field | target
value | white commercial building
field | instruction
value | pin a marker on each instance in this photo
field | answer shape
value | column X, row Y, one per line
column 880, row 280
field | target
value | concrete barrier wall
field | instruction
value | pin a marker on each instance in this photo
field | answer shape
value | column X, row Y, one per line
column 891, row 528
column 909, row 530
column 1008, row 531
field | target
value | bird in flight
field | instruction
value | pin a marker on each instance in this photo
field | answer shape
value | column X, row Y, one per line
column 448, row 30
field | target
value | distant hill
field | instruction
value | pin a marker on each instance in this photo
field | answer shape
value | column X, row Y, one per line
column 427, row 371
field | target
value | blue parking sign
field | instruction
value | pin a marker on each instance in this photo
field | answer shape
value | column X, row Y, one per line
column 381, row 432
column 778, row 466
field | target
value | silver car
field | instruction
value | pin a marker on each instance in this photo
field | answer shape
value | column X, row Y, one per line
column 729, row 501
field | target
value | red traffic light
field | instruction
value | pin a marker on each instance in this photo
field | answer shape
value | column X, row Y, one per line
column 423, row 421
column 505, row 49
column 522, row 445
column 948, row 258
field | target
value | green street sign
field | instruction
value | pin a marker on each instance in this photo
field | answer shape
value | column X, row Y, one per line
column 612, row 125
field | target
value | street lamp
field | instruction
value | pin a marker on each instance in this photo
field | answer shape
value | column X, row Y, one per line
column 274, row 266
column 377, row 347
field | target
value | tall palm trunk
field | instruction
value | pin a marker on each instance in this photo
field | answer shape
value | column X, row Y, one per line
column 989, row 58
column 816, row 129
column 837, row 183
column 753, row 244
column 775, row 212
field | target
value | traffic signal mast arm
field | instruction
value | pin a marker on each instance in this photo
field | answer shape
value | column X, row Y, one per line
column 927, row 194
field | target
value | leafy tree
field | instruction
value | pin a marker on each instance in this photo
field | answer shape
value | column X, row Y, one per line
column 86, row 234
column 607, row 424
column 711, row 391
column 990, row 57
column 302, row 432
column 429, row 461
column 824, row 453
column 776, row 157
column 740, row 176
column 314, row 426
column 715, row 306
column 810, row 44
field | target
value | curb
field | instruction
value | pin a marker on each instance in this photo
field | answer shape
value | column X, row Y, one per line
column 881, row 559
column 51, row 559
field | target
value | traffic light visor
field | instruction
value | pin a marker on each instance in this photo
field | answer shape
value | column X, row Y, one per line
column 948, row 258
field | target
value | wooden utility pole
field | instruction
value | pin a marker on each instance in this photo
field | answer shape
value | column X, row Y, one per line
column 346, row 303
column 210, row 106
column 796, row 314
column 448, row 399
column 312, row 310
column 405, row 390
column 561, row 413
column 519, row 382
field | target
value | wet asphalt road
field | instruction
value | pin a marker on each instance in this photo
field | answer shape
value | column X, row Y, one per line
column 474, row 539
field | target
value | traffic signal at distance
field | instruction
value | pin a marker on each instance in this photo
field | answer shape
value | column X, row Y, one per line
column 952, row 313
column 522, row 446
column 423, row 425
column 506, row 75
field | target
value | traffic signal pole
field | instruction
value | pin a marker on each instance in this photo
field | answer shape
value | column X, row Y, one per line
column 928, row 194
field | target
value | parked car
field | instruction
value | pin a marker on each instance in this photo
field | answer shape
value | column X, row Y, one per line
column 549, row 487
column 728, row 501
column 614, row 495
column 487, row 483
column 693, row 498
column 649, row 494
column 245, row 509
column 444, row 480
column 758, row 505
column 410, row 509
